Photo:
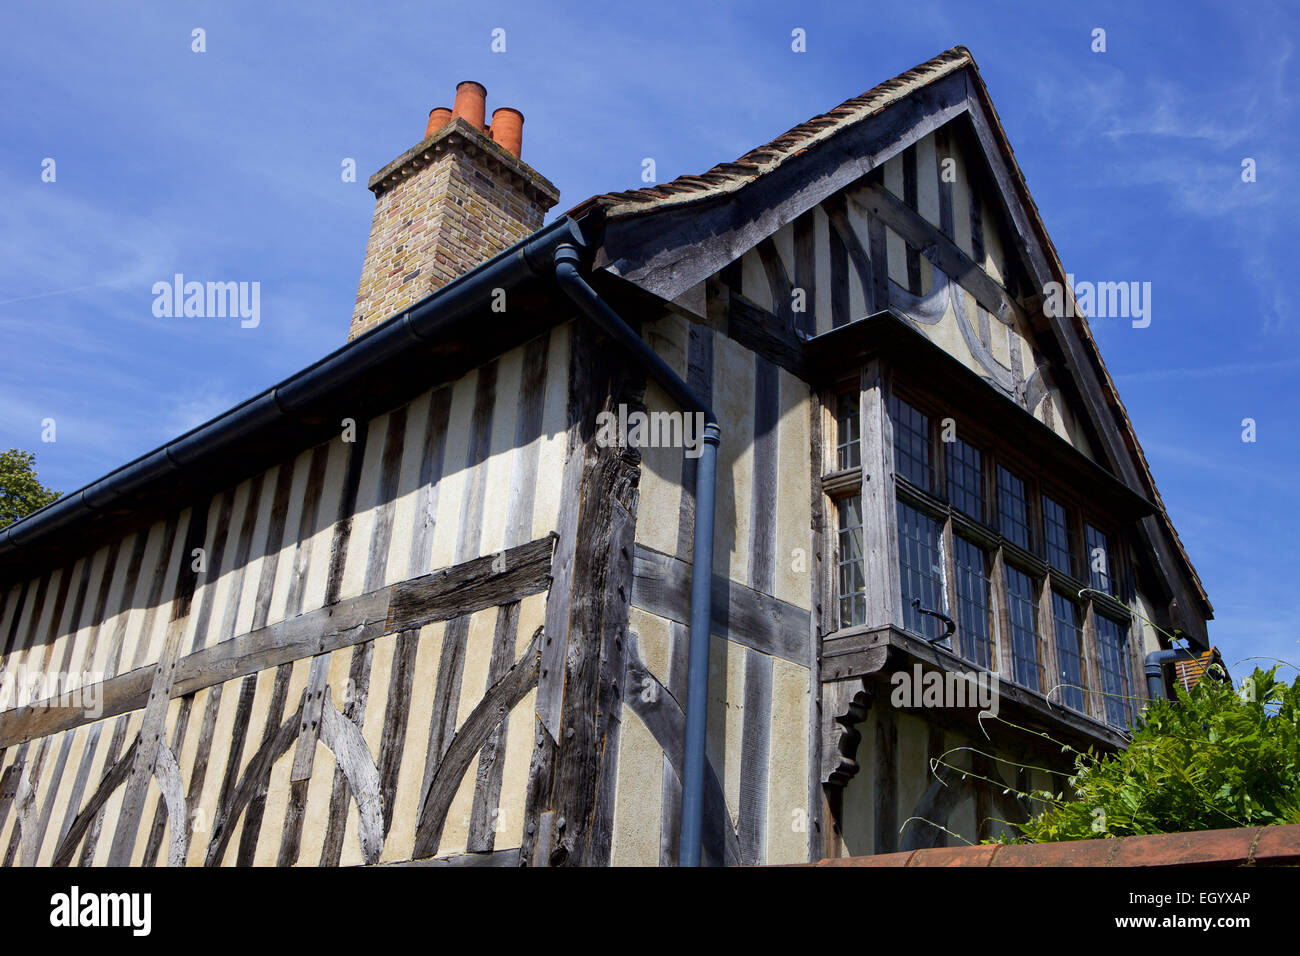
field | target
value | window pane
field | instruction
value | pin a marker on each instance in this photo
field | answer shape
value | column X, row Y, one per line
column 852, row 572
column 1022, row 619
column 920, row 563
column 966, row 478
column 973, row 614
column 1069, row 650
column 848, row 448
column 1056, row 536
column 1112, row 656
column 1099, row 570
column 1013, row 509
column 911, row 443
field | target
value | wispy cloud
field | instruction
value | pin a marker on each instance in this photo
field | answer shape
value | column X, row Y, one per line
column 1230, row 370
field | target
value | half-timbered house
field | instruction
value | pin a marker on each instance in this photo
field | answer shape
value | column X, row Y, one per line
column 409, row 605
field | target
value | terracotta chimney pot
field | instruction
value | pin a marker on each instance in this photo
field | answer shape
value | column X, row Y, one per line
column 470, row 104
column 438, row 118
column 508, row 129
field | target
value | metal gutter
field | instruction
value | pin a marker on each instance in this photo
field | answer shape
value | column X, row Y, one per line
column 295, row 397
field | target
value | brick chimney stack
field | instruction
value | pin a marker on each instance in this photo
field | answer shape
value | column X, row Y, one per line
column 448, row 204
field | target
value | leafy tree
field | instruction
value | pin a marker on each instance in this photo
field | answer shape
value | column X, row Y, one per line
column 20, row 492
column 1214, row 758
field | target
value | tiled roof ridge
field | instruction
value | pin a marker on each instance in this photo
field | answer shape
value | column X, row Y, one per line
column 729, row 177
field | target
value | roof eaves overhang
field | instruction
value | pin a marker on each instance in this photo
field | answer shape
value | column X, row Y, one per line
column 434, row 340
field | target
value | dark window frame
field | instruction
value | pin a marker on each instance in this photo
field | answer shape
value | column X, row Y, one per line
column 985, row 531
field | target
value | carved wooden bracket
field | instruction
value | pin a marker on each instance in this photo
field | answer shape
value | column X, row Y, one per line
column 848, row 705
column 846, row 765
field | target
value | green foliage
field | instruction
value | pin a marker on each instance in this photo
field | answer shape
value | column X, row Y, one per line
column 20, row 492
column 1213, row 759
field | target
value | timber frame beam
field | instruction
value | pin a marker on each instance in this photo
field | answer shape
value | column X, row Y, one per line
column 461, row 589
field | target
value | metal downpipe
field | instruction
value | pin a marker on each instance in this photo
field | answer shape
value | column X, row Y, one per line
column 1155, row 665
column 589, row 302
column 697, row 670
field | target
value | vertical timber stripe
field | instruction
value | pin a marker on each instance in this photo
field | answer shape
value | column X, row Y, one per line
column 51, row 792
column 200, row 772
column 805, row 270
column 879, row 264
column 291, row 838
column 9, row 785
column 480, row 446
column 762, row 544
column 26, row 634
column 161, row 572
column 155, row 713
column 586, row 749
column 610, row 685
column 36, row 659
column 234, row 758
column 446, row 696
column 274, row 541
column 755, row 734
column 397, row 710
column 22, row 807
column 359, row 671
column 491, row 763
column 385, row 499
column 910, row 197
column 74, row 617
column 426, row 498
column 101, row 605
column 160, row 814
column 839, row 258
column 261, row 611
column 944, row 159
column 307, row 520
column 29, row 644
column 91, row 841
column 256, row 806
column 528, row 427
column 347, row 508
column 79, row 784
column 243, row 547
column 820, row 598
column 355, row 711
column 580, row 410
column 699, row 376
column 213, row 564
column 12, row 637
column 303, row 760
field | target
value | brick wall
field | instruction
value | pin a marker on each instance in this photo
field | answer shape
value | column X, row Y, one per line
column 442, row 208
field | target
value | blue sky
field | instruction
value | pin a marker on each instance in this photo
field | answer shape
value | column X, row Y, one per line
column 226, row 165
